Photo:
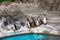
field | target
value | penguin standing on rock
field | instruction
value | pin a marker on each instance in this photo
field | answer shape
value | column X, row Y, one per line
column 44, row 19
column 33, row 22
column 14, row 27
column 28, row 23
column 39, row 21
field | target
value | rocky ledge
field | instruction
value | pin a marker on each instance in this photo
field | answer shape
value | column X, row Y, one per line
column 49, row 29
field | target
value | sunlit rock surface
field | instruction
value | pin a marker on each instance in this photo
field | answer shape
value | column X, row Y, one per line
column 49, row 29
column 44, row 29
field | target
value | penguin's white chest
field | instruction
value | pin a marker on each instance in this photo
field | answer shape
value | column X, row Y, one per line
column 44, row 20
column 13, row 27
column 37, row 23
column 28, row 24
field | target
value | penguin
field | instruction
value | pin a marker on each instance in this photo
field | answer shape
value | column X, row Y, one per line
column 33, row 22
column 39, row 21
column 14, row 27
column 44, row 19
column 28, row 23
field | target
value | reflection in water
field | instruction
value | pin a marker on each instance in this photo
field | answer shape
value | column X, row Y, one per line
column 52, row 38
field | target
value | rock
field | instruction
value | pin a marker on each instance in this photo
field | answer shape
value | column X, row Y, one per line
column 51, row 5
column 48, row 29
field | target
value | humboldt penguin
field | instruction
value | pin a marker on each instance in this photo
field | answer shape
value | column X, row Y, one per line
column 44, row 19
column 39, row 21
column 33, row 22
column 28, row 23
column 14, row 27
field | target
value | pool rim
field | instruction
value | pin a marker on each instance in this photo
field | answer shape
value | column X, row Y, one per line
column 22, row 34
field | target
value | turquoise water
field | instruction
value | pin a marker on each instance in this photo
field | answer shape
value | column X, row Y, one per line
column 25, row 37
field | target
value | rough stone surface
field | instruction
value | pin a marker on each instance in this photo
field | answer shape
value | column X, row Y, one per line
column 52, row 5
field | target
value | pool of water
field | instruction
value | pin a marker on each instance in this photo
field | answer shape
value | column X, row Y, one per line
column 25, row 37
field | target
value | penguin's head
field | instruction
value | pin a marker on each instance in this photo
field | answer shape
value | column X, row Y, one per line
column 27, row 19
column 44, row 14
column 38, row 17
column 32, row 18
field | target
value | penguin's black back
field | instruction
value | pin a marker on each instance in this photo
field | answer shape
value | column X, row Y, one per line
column 41, row 21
